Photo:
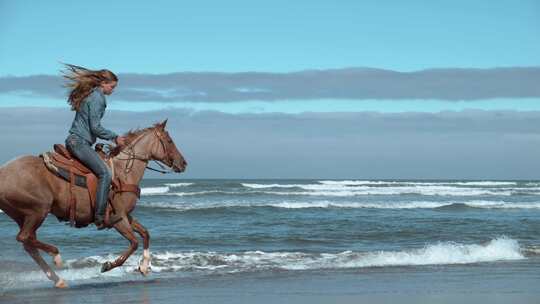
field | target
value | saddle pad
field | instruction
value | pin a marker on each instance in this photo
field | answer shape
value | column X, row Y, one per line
column 80, row 180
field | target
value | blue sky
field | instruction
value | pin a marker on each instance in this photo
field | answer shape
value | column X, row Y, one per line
column 274, row 36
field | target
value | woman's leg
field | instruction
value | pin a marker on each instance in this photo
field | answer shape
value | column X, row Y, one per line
column 89, row 157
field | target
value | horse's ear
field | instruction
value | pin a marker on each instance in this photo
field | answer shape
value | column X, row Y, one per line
column 163, row 124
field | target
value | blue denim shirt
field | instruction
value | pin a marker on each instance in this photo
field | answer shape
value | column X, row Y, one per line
column 87, row 122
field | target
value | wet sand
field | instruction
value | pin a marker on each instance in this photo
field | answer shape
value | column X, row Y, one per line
column 396, row 285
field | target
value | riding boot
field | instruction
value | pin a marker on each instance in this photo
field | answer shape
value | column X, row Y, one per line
column 101, row 202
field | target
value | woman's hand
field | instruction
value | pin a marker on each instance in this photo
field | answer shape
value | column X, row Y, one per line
column 120, row 140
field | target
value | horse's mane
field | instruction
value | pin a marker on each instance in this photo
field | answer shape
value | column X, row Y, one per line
column 130, row 136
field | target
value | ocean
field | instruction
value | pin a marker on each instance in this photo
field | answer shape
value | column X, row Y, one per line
column 236, row 241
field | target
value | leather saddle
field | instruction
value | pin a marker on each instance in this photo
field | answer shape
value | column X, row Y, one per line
column 63, row 151
column 66, row 166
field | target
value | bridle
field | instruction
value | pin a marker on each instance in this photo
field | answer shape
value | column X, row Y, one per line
column 132, row 156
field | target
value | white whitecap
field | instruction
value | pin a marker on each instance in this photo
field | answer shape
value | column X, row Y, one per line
column 444, row 253
column 265, row 186
column 374, row 205
column 485, row 183
column 359, row 188
column 484, row 204
column 154, row 190
column 179, row 184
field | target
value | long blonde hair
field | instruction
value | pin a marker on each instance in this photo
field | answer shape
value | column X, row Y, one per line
column 82, row 81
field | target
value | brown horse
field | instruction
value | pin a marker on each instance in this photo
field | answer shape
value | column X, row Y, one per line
column 29, row 191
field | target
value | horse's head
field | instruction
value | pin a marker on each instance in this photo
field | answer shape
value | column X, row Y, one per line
column 153, row 143
column 165, row 150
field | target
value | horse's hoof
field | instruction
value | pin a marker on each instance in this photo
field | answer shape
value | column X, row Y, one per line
column 106, row 266
column 144, row 270
column 60, row 284
column 57, row 259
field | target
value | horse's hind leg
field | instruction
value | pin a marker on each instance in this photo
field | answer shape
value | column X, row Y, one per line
column 50, row 249
column 27, row 237
column 34, row 253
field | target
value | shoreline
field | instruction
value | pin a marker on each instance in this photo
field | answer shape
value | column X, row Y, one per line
column 376, row 285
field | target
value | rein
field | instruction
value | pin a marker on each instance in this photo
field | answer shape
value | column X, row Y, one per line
column 133, row 156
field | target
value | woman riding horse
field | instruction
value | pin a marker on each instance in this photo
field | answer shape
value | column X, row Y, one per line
column 87, row 98
column 29, row 190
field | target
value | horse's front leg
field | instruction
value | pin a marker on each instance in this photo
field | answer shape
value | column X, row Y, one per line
column 144, row 265
column 124, row 228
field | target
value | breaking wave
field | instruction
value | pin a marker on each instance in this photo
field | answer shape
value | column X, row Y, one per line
column 350, row 188
column 367, row 182
column 154, row 190
column 481, row 204
column 436, row 254
column 179, row 184
column 444, row 253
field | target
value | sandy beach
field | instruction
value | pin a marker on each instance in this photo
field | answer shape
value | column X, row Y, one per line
column 376, row 285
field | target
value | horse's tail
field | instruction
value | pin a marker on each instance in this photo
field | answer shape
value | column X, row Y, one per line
column 3, row 185
column 3, row 201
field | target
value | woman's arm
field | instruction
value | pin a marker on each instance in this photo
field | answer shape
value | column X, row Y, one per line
column 96, row 109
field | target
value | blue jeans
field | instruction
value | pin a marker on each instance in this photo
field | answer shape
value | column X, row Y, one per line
column 84, row 152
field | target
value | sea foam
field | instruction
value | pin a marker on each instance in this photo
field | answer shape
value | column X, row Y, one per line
column 154, row 190
column 481, row 204
column 444, row 253
column 179, row 184
column 338, row 189
column 435, row 254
